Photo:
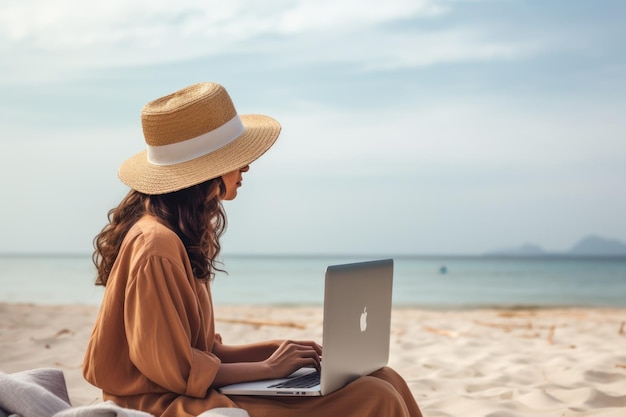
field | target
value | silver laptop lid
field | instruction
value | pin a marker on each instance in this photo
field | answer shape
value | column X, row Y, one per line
column 357, row 321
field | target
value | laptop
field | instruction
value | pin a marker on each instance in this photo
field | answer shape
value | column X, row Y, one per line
column 357, row 324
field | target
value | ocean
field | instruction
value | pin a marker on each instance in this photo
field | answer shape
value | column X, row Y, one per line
column 440, row 282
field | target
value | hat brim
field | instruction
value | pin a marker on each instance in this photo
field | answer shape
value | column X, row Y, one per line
column 260, row 134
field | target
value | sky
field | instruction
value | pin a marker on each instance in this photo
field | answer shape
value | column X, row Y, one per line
column 409, row 126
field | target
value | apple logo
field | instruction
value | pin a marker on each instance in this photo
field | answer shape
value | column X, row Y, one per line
column 364, row 319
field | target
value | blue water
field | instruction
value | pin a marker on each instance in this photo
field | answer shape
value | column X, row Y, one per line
column 418, row 281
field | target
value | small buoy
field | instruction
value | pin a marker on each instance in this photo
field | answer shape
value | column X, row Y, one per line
column 443, row 269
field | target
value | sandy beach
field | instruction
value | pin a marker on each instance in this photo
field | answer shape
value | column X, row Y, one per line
column 539, row 362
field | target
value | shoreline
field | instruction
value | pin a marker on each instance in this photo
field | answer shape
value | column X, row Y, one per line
column 500, row 361
column 395, row 306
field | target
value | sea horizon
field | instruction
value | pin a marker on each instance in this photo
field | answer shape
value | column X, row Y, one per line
column 454, row 281
column 372, row 255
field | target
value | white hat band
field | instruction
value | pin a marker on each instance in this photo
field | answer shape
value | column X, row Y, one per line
column 176, row 153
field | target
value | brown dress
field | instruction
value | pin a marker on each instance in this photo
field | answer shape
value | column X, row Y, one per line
column 151, row 347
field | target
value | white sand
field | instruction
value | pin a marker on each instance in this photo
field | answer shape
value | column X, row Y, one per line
column 561, row 362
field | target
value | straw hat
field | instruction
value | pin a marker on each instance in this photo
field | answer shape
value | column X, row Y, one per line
column 193, row 135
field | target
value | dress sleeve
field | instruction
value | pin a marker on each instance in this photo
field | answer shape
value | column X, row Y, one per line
column 160, row 315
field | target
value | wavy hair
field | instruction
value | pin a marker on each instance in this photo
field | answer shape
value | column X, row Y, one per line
column 195, row 214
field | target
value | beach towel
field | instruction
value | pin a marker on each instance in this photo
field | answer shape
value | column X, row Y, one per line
column 34, row 393
column 42, row 392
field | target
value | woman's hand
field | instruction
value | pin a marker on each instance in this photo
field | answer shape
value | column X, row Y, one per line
column 283, row 358
column 293, row 355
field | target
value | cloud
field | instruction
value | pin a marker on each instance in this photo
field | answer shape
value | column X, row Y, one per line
column 68, row 38
column 350, row 15
column 424, row 49
column 453, row 110
column 459, row 135
column 67, row 24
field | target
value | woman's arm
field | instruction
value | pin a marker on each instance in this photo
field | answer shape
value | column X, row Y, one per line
column 159, row 317
column 255, row 352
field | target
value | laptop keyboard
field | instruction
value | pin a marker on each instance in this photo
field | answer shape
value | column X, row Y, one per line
column 304, row 381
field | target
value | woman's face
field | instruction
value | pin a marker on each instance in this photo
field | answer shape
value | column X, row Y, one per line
column 232, row 181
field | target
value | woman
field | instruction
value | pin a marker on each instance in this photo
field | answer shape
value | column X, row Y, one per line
column 154, row 347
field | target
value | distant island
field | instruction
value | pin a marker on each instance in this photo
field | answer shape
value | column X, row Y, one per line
column 588, row 246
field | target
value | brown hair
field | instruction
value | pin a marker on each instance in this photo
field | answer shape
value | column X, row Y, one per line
column 195, row 214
